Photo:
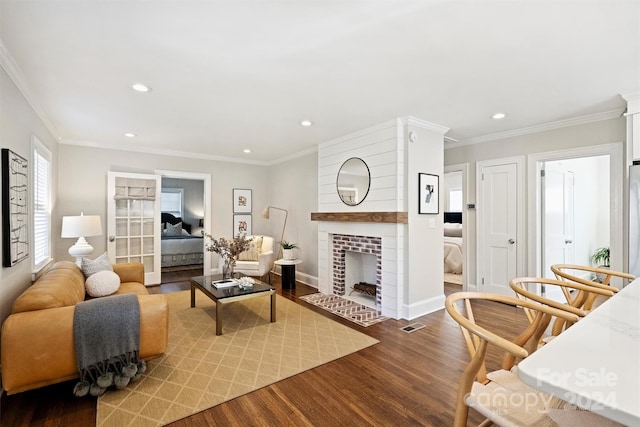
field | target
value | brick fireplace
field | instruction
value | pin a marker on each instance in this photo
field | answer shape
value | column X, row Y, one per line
column 342, row 244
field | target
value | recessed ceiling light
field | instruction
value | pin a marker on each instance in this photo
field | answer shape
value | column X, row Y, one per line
column 306, row 123
column 139, row 87
column 247, row 150
column 499, row 116
column 130, row 135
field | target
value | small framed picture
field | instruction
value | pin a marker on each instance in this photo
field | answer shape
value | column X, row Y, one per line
column 429, row 193
column 241, row 200
column 241, row 225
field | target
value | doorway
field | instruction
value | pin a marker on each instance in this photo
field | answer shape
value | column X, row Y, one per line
column 197, row 206
column 575, row 211
column 455, row 187
column 596, row 219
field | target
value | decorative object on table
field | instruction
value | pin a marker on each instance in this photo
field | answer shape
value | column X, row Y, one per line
column 265, row 215
column 81, row 226
column 601, row 259
column 428, row 193
column 246, row 282
column 228, row 249
column 15, row 208
column 242, row 225
column 287, row 250
column 241, row 200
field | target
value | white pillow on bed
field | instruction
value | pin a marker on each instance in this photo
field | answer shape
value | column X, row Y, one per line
column 185, row 232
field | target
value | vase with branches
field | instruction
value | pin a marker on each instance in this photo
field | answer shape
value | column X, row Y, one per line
column 228, row 249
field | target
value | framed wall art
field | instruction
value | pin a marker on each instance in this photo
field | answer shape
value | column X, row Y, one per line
column 429, row 193
column 241, row 200
column 15, row 208
column 241, row 225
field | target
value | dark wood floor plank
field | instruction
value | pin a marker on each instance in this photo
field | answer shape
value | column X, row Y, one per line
column 408, row 379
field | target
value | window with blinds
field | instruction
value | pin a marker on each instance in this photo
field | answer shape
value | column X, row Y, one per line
column 171, row 201
column 41, row 205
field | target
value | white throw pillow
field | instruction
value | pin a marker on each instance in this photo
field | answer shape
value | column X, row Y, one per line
column 102, row 283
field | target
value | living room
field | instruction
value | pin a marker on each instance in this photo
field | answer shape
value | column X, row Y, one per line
column 290, row 179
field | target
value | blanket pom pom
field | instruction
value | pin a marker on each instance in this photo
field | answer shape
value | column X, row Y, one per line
column 81, row 389
column 105, row 380
column 130, row 370
column 120, row 381
column 96, row 390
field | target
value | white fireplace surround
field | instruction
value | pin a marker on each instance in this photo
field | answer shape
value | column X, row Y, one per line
column 391, row 275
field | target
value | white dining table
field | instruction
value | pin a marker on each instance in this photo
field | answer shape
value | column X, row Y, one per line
column 595, row 364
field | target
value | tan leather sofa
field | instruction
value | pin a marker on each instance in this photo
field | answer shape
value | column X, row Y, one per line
column 37, row 338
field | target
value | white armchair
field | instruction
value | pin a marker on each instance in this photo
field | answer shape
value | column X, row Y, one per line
column 257, row 263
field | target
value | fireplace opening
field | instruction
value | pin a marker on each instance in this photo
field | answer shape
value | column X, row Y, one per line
column 360, row 278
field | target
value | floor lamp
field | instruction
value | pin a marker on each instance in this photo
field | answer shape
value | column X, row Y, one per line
column 265, row 215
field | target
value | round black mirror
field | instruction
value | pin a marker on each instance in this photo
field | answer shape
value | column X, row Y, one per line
column 353, row 181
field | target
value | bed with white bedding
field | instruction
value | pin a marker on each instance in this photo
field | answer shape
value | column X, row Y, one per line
column 177, row 246
column 453, row 255
column 453, row 242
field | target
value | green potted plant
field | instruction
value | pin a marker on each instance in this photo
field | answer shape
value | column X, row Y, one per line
column 600, row 259
column 287, row 249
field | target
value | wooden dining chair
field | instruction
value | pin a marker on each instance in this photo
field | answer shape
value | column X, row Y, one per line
column 492, row 394
column 580, row 294
column 569, row 272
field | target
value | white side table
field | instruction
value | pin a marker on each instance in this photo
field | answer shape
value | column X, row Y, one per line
column 288, row 267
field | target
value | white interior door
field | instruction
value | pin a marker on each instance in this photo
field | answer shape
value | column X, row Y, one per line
column 558, row 217
column 133, row 230
column 498, row 219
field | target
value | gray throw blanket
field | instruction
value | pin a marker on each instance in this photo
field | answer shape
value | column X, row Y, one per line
column 106, row 335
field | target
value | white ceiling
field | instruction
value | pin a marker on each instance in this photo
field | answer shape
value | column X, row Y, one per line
column 229, row 75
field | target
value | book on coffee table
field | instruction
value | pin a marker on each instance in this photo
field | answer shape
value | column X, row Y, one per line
column 224, row 283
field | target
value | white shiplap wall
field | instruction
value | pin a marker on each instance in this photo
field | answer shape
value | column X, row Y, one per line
column 379, row 147
column 382, row 149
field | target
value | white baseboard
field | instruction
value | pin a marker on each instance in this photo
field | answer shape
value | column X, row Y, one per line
column 423, row 307
column 305, row 278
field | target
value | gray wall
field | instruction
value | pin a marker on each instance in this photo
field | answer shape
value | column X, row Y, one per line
column 18, row 123
column 573, row 137
column 294, row 186
column 83, row 186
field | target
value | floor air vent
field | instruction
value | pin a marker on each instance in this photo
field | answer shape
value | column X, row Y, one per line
column 412, row 327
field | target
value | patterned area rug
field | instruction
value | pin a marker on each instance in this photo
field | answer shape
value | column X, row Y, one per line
column 357, row 313
column 201, row 370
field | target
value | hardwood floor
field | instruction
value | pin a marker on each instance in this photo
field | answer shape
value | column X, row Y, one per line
column 408, row 379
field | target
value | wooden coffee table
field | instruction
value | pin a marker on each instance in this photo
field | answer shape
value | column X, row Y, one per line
column 226, row 295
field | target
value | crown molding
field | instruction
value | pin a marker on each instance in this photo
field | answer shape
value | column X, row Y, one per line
column 633, row 102
column 17, row 76
column 414, row 121
column 164, row 152
column 575, row 121
column 294, row 156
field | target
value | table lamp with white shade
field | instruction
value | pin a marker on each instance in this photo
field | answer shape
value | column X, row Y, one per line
column 81, row 226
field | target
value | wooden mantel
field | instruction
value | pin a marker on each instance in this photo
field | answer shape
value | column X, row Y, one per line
column 379, row 217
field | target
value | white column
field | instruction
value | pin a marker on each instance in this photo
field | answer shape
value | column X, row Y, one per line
column 633, row 123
